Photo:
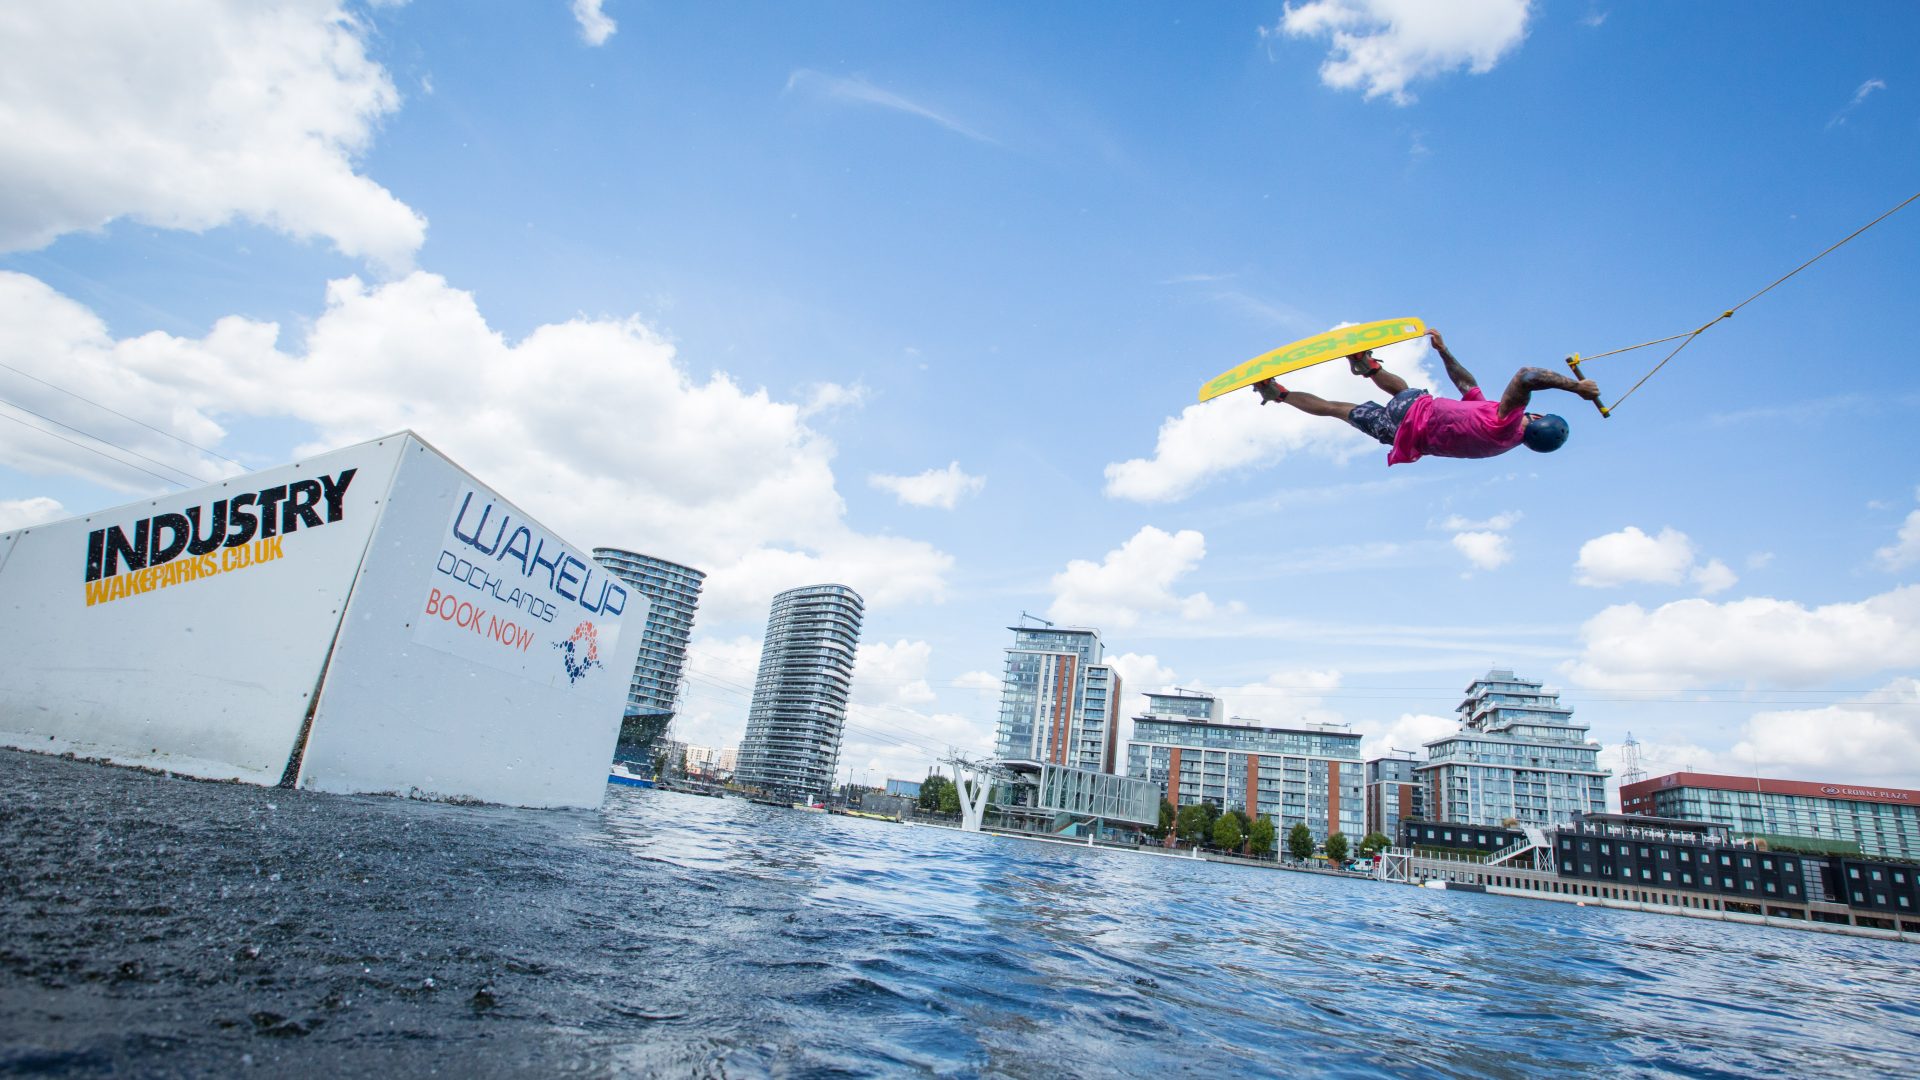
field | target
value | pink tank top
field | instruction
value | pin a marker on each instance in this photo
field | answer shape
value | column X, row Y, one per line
column 1469, row 428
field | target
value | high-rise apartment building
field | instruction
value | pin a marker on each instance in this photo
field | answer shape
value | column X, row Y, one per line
column 673, row 592
column 1518, row 755
column 1394, row 794
column 799, row 709
column 1059, row 704
column 1290, row 775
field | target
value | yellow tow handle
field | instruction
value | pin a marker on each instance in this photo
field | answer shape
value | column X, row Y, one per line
column 1574, row 363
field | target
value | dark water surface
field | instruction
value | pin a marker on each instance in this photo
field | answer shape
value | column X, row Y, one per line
column 152, row 926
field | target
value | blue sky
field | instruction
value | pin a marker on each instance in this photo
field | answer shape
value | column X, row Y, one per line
column 917, row 298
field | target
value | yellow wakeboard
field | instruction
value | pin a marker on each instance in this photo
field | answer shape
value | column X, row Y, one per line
column 1307, row 352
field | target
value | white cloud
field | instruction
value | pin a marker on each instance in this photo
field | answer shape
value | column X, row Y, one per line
column 1870, row 739
column 1905, row 550
column 1485, row 550
column 716, row 689
column 192, row 114
column 1496, row 523
column 984, row 681
column 1483, row 543
column 903, row 744
column 893, row 674
column 1412, row 731
column 822, row 398
column 595, row 427
column 1383, row 46
column 887, row 735
column 1867, row 88
column 1227, row 435
column 1630, row 555
column 1860, row 95
column 1714, row 577
column 51, row 337
column 1283, row 699
column 1133, row 580
column 20, row 513
column 858, row 91
column 595, row 26
column 1692, row 643
column 1139, row 675
column 941, row 488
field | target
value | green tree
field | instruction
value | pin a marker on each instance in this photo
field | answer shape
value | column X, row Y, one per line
column 931, row 789
column 1226, row 832
column 1373, row 844
column 1300, row 841
column 1260, row 837
column 1195, row 824
column 950, row 797
column 1337, row 849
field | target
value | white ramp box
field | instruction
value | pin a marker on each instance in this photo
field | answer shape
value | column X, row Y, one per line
column 369, row 620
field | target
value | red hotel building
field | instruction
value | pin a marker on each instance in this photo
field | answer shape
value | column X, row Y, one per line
column 1882, row 822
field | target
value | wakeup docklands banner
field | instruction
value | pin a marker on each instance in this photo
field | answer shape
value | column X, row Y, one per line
column 508, row 594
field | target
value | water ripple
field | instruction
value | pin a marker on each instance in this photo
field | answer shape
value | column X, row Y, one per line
column 164, row 927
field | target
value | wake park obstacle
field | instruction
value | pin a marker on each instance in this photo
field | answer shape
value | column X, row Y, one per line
column 370, row 620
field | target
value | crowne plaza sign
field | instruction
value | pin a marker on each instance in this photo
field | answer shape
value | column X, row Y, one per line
column 1866, row 793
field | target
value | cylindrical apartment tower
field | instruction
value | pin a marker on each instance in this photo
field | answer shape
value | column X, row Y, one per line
column 673, row 592
column 792, row 745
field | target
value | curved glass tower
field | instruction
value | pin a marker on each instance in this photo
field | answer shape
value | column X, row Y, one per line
column 674, row 592
column 792, row 745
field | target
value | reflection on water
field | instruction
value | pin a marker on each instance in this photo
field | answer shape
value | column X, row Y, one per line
column 160, row 926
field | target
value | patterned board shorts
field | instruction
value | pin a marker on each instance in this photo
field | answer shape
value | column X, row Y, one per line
column 1381, row 421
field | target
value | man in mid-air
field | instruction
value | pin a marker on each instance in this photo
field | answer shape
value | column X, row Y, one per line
column 1417, row 424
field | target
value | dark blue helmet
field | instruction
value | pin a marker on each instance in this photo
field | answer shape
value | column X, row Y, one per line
column 1545, row 433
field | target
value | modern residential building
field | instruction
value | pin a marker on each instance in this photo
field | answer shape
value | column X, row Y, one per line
column 1185, row 704
column 1290, row 775
column 1059, row 704
column 799, row 709
column 672, row 592
column 711, row 763
column 1841, row 818
column 1394, row 794
column 1519, row 755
